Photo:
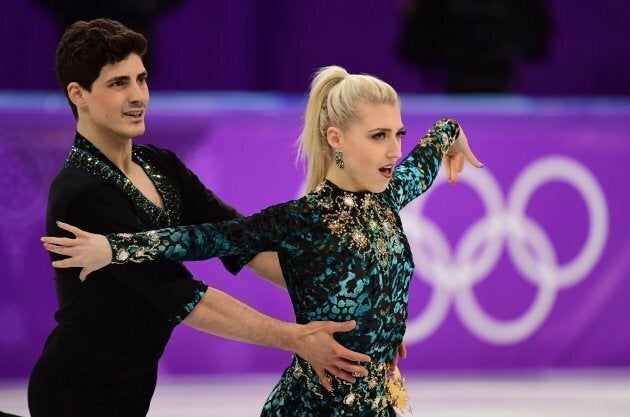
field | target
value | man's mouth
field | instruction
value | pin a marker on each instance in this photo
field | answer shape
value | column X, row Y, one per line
column 135, row 113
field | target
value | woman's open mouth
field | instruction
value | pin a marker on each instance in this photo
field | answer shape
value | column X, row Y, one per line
column 386, row 171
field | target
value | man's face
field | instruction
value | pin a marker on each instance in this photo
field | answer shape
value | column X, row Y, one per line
column 116, row 106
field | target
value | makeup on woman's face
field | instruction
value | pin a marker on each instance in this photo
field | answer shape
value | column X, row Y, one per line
column 371, row 147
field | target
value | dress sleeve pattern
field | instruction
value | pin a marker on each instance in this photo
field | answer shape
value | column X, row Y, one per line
column 268, row 230
column 415, row 174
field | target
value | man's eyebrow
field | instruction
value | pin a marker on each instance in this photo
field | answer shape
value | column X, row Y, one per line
column 118, row 78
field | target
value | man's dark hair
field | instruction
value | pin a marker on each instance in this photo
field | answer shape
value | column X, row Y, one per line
column 86, row 47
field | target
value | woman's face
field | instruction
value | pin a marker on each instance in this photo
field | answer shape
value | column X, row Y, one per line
column 371, row 145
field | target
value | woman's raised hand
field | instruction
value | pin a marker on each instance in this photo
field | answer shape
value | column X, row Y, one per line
column 457, row 155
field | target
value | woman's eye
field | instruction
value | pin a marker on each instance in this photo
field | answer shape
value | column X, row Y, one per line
column 379, row 135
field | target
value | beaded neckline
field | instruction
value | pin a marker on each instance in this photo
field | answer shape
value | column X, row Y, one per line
column 338, row 190
column 360, row 220
column 84, row 155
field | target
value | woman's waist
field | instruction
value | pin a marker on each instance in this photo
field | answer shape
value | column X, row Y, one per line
column 367, row 392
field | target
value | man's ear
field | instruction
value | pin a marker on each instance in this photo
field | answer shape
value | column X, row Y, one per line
column 334, row 137
column 77, row 94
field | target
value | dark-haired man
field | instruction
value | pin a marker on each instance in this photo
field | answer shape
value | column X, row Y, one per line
column 101, row 359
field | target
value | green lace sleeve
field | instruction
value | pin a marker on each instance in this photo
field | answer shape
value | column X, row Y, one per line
column 267, row 230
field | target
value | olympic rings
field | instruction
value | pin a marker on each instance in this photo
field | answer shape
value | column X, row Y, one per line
column 454, row 272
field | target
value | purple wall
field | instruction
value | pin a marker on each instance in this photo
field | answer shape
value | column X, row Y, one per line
column 524, row 264
column 253, row 45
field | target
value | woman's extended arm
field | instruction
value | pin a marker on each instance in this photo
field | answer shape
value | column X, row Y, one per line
column 264, row 231
column 444, row 143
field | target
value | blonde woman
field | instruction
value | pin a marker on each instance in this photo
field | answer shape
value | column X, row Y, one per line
column 341, row 246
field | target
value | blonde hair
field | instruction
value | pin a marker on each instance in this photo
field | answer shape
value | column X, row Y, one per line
column 334, row 100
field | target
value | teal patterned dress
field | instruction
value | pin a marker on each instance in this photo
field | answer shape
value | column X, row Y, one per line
column 344, row 257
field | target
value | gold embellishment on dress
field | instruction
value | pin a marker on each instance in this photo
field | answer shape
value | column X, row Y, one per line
column 335, row 227
column 361, row 221
column 381, row 247
column 396, row 392
column 440, row 138
column 349, row 399
column 299, row 373
column 376, row 396
column 360, row 239
column 348, row 200
column 122, row 255
column 127, row 249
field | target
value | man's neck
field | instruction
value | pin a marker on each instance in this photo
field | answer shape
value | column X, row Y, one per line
column 116, row 149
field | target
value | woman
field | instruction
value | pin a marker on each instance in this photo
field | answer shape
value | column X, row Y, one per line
column 341, row 246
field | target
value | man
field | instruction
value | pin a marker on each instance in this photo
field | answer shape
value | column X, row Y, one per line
column 101, row 359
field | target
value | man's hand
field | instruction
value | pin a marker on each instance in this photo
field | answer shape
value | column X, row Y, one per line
column 401, row 353
column 314, row 342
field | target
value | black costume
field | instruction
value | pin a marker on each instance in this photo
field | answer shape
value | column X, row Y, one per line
column 101, row 359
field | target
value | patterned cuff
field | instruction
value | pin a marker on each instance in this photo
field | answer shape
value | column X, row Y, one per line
column 186, row 308
column 443, row 134
column 133, row 247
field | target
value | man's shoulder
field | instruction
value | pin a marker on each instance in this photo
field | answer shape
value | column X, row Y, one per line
column 72, row 182
column 160, row 155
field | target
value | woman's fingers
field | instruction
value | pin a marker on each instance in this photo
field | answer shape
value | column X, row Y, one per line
column 59, row 241
column 84, row 273
column 66, row 263
column 447, row 166
column 70, row 228
column 464, row 148
column 459, row 162
column 59, row 250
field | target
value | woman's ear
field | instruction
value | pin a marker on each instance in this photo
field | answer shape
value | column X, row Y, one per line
column 76, row 94
column 333, row 137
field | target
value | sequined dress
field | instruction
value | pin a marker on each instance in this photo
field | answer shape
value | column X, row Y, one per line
column 344, row 256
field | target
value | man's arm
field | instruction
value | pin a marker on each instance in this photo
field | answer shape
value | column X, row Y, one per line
column 220, row 314
column 267, row 266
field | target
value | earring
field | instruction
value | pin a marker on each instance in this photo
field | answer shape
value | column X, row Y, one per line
column 339, row 158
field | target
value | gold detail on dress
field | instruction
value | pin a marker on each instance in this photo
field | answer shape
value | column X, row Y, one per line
column 122, row 255
column 349, row 201
column 361, row 221
column 381, row 248
column 335, row 227
column 396, row 392
column 360, row 239
column 377, row 396
column 349, row 399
